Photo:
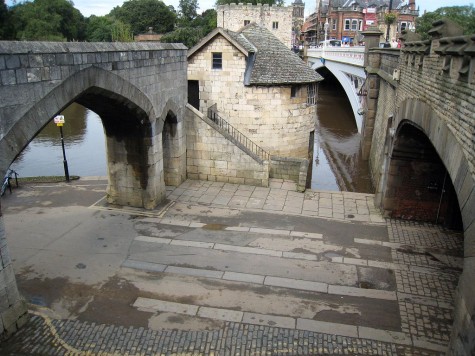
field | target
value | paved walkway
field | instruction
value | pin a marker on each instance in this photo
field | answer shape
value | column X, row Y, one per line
column 421, row 259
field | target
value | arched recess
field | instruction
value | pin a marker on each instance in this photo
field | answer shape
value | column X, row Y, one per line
column 173, row 144
column 422, row 117
column 418, row 184
column 432, row 126
column 128, row 116
column 341, row 71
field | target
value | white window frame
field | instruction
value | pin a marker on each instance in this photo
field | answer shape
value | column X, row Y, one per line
column 347, row 24
column 334, row 22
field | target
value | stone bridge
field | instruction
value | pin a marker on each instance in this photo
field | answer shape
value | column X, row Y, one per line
column 419, row 137
column 139, row 90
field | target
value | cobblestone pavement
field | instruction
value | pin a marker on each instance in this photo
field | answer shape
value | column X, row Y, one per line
column 424, row 259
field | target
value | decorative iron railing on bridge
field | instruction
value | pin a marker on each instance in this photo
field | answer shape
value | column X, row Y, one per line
column 237, row 137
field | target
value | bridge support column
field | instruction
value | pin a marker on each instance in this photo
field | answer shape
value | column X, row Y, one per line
column 13, row 309
column 371, row 63
column 135, row 167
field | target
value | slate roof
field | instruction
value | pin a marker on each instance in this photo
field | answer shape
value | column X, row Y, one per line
column 274, row 63
column 269, row 61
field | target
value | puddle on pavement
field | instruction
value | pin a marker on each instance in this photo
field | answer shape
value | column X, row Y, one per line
column 215, row 227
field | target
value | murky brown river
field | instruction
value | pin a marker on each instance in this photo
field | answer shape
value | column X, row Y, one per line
column 336, row 164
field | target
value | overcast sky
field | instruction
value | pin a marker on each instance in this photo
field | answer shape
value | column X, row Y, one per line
column 103, row 7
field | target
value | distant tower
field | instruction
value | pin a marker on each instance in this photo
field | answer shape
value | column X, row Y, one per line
column 297, row 20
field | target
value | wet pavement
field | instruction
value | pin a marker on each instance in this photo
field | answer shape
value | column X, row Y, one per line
column 226, row 269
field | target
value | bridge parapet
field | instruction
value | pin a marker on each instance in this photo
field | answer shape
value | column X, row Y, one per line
column 347, row 55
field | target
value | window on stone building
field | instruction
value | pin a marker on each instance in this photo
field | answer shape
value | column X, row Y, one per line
column 360, row 25
column 354, row 25
column 294, row 91
column 217, row 60
column 275, row 25
column 312, row 94
column 347, row 24
column 246, row 22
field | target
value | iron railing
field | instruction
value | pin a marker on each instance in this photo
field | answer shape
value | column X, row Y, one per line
column 237, row 136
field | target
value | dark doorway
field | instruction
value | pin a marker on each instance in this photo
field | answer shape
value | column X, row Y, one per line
column 194, row 93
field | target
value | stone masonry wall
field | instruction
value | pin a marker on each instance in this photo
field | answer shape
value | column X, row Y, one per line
column 212, row 157
column 435, row 92
column 232, row 17
column 13, row 309
column 268, row 116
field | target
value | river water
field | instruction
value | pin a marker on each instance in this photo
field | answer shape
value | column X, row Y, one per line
column 336, row 163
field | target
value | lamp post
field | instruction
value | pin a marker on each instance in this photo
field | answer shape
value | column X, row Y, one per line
column 325, row 27
column 59, row 121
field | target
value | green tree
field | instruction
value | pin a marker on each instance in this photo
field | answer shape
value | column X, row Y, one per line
column 121, row 32
column 47, row 20
column 99, row 28
column 189, row 36
column 194, row 31
column 254, row 2
column 462, row 15
column 187, row 10
column 4, row 20
column 142, row 14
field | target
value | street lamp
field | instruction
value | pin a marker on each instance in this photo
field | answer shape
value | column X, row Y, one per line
column 325, row 27
column 59, row 121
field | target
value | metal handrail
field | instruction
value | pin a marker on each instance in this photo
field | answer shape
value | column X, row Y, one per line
column 236, row 134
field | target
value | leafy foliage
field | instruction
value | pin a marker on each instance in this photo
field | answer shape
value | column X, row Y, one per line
column 462, row 15
column 142, row 14
column 99, row 29
column 47, row 20
column 191, row 32
column 254, row 2
column 390, row 18
column 121, row 32
column 187, row 10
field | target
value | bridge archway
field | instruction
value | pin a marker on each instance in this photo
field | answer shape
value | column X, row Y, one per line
column 132, row 127
column 419, row 129
column 421, row 132
column 418, row 184
column 351, row 79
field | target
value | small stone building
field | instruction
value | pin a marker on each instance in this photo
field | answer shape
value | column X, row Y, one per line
column 258, row 85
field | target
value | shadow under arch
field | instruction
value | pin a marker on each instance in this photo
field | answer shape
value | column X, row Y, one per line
column 348, row 86
column 418, row 184
column 421, row 115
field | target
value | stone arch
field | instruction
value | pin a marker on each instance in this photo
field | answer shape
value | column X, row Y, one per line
column 422, row 116
column 173, row 144
column 448, row 148
column 128, row 116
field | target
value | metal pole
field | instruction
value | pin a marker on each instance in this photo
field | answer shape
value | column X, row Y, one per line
column 65, row 162
column 389, row 25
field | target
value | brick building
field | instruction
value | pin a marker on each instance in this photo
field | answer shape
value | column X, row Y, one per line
column 347, row 18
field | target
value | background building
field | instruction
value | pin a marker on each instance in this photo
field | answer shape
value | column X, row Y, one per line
column 347, row 18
